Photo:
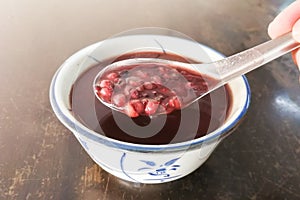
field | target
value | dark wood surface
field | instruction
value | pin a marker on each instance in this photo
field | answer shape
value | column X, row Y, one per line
column 41, row 159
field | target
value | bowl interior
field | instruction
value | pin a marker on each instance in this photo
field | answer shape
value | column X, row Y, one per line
column 79, row 62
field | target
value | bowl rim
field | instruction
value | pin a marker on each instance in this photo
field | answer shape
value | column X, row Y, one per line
column 92, row 135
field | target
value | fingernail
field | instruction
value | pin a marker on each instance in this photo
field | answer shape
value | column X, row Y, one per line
column 296, row 31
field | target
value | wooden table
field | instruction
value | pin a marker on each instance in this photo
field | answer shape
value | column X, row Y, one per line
column 41, row 159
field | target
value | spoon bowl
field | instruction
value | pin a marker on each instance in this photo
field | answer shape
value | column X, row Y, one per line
column 148, row 76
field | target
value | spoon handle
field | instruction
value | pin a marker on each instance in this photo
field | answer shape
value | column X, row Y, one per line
column 250, row 59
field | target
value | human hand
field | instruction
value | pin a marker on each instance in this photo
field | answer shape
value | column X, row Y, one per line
column 288, row 20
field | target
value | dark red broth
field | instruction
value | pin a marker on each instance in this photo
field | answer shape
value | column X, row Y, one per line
column 145, row 99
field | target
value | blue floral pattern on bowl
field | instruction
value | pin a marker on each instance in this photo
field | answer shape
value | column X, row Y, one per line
column 158, row 172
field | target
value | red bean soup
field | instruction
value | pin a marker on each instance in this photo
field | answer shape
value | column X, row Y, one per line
column 147, row 94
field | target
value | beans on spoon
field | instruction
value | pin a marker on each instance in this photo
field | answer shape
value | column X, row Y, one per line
column 148, row 88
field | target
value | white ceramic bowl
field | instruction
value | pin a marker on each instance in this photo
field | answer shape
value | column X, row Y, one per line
column 136, row 162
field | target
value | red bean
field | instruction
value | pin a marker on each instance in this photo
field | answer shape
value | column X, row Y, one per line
column 130, row 111
column 138, row 106
column 151, row 107
column 140, row 88
column 148, row 86
column 174, row 103
column 97, row 88
column 119, row 100
column 105, row 92
column 106, row 84
column 134, row 94
column 112, row 76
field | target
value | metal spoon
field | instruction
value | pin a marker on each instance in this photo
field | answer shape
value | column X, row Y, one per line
column 223, row 70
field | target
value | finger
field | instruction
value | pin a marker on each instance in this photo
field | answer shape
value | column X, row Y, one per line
column 284, row 22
